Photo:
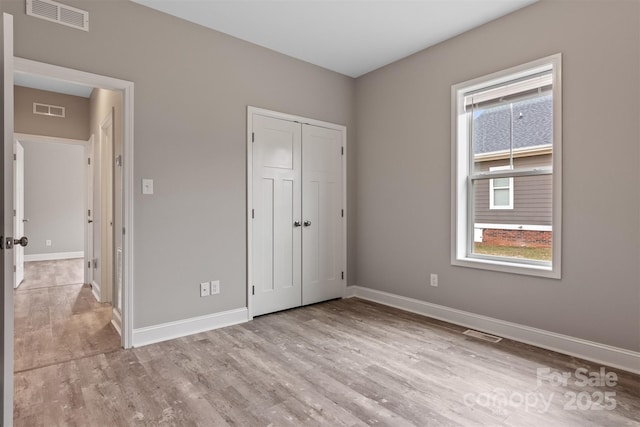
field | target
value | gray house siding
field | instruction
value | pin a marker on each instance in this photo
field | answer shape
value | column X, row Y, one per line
column 532, row 195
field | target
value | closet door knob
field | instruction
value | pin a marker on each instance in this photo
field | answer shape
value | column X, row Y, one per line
column 297, row 224
column 307, row 223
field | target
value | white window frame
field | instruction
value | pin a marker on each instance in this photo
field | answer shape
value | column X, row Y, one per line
column 462, row 225
column 492, row 188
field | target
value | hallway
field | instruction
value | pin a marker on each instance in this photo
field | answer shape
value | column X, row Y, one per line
column 57, row 318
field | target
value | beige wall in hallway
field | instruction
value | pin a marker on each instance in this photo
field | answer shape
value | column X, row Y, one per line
column 75, row 124
column 54, row 179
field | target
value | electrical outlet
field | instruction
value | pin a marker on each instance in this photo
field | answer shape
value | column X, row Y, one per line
column 215, row 287
column 47, row 243
column 205, row 289
column 434, row 280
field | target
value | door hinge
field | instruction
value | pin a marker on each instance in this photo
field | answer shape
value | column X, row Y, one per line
column 342, row 213
column 88, row 212
column 15, row 156
column 342, row 150
column 253, row 213
column 253, row 137
column 88, row 264
column 89, row 160
column 343, row 275
column 124, row 231
column 14, row 269
column 95, row 263
column 253, row 290
column 14, row 212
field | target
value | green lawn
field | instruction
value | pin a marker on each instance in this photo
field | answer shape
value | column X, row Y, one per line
column 542, row 254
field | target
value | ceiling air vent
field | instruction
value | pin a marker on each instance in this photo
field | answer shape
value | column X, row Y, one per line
column 48, row 110
column 58, row 12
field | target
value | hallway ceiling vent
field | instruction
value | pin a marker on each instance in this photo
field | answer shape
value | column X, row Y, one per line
column 58, row 12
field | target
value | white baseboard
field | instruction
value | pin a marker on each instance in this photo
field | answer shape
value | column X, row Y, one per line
column 95, row 290
column 194, row 325
column 350, row 291
column 599, row 353
column 54, row 256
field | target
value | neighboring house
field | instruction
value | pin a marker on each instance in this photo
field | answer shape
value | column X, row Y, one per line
column 513, row 211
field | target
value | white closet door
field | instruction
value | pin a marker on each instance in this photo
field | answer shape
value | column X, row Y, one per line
column 277, row 242
column 321, row 213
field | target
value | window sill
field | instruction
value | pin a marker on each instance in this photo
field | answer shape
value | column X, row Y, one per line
column 508, row 267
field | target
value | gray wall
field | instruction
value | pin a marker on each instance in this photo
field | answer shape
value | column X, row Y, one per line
column 75, row 124
column 403, row 172
column 54, row 197
column 192, row 87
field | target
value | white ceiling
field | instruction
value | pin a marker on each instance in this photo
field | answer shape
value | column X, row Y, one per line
column 351, row 37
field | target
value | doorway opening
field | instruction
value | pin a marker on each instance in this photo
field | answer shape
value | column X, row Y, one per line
column 107, row 213
column 56, row 316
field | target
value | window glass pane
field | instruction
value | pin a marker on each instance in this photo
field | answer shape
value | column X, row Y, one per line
column 519, row 128
column 491, row 129
column 501, row 197
column 533, row 122
column 500, row 182
column 523, row 232
column 505, row 243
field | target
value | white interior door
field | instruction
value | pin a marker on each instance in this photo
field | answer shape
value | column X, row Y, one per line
column 6, row 221
column 19, row 216
column 322, row 214
column 276, row 232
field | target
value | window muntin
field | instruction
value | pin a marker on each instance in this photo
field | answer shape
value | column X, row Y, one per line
column 506, row 160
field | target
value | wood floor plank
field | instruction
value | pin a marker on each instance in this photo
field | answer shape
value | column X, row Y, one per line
column 55, row 321
column 44, row 274
column 340, row 363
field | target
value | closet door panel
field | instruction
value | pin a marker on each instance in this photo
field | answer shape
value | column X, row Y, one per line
column 277, row 182
column 321, row 213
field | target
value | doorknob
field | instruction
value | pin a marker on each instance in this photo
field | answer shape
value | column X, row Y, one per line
column 307, row 223
column 25, row 220
column 23, row 241
column 90, row 221
column 297, row 224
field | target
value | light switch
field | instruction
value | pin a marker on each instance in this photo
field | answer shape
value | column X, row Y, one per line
column 147, row 186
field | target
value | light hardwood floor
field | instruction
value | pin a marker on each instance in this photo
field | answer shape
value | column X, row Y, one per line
column 45, row 274
column 56, row 317
column 340, row 363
